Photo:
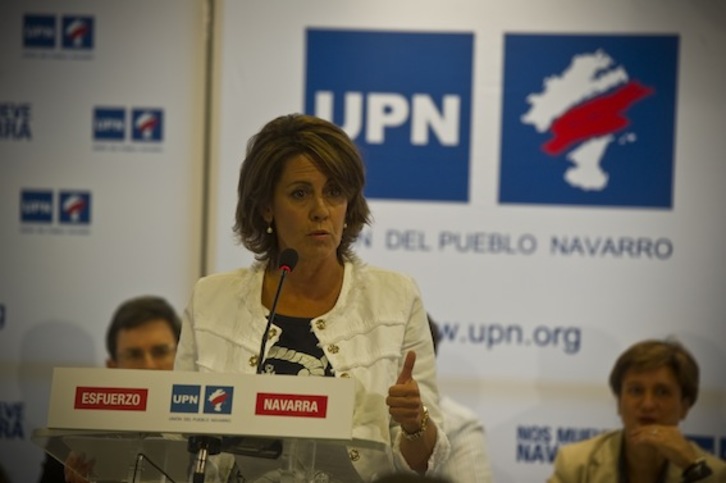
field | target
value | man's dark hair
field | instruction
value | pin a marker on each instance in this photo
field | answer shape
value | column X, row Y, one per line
column 139, row 311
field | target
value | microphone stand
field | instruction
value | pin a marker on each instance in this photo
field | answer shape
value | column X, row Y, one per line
column 284, row 270
column 264, row 447
column 202, row 447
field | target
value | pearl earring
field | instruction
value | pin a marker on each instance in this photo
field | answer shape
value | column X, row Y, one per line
column 269, row 229
column 345, row 225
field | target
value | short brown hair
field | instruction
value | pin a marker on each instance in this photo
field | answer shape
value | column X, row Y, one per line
column 328, row 148
column 653, row 354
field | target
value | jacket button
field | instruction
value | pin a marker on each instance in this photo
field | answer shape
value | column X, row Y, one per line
column 345, row 375
column 253, row 361
column 333, row 349
column 354, row 455
column 272, row 333
column 320, row 324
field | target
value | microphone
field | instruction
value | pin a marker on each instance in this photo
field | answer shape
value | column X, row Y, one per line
column 286, row 263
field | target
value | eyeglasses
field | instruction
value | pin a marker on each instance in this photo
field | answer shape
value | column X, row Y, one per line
column 157, row 352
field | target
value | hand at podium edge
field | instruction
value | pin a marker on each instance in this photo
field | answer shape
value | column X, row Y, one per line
column 77, row 467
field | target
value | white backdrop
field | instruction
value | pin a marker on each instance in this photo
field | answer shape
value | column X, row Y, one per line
column 538, row 327
column 138, row 231
column 93, row 212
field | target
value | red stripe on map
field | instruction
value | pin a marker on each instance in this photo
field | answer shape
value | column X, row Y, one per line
column 594, row 118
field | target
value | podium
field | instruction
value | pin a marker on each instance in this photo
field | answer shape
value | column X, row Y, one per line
column 174, row 427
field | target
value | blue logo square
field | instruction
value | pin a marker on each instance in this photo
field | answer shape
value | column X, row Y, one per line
column 74, row 207
column 218, row 399
column 39, row 31
column 36, row 206
column 109, row 124
column 405, row 99
column 77, row 32
column 589, row 120
column 147, row 125
column 185, row 398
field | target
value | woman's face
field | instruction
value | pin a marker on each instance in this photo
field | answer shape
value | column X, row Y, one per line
column 308, row 211
column 651, row 397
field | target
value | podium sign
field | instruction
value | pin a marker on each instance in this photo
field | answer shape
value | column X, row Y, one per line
column 141, row 425
column 201, row 403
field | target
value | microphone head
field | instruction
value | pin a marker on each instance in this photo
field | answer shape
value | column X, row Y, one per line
column 287, row 260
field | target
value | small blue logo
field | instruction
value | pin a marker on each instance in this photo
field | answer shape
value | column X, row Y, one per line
column 185, row 398
column 39, row 31
column 218, row 399
column 74, row 207
column 36, row 206
column 405, row 99
column 147, row 125
column 109, row 124
column 77, row 32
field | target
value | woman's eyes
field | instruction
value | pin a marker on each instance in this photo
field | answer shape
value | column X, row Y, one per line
column 299, row 193
column 335, row 192
column 331, row 192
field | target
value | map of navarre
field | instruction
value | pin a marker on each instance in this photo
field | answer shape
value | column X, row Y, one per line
column 583, row 109
column 589, row 120
column 217, row 399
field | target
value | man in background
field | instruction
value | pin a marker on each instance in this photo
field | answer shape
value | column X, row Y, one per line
column 143, row 334
column 468, row 460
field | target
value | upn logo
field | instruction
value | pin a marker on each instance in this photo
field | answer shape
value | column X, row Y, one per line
column 40, row 31
column 36, row 206
column 147, row 125
column 589, row 120
column 75, row 207
column 77, row 32
column 185, row 398
column 405, row 99
column 109, row 124
column 218, row 399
